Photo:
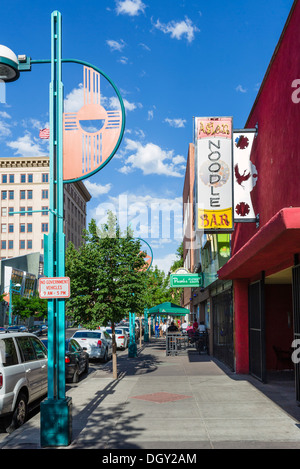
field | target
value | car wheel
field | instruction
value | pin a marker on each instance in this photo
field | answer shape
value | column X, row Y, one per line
column 105, row 358
column 19, row 415
column 76, row 376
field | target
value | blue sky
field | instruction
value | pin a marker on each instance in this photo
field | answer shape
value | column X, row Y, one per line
column 171, row 60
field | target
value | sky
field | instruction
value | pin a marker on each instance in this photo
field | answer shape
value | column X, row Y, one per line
column 171, row 60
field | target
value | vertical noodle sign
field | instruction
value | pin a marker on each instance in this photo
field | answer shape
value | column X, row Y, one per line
column 214, row 175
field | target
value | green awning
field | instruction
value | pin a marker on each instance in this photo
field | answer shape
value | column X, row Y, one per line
column 169, row 309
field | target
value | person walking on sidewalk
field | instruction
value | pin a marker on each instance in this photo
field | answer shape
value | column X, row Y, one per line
column 156, row 330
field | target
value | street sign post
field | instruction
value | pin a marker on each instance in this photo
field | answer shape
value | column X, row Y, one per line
column 186, row 280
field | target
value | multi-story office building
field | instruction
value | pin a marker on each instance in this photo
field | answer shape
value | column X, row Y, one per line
column 24, row 187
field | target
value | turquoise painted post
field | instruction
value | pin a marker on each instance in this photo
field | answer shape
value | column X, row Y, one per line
column 146, row 329
column 132, row 347
column 56, row 410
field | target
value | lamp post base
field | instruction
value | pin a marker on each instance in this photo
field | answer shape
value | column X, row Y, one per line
column 56, row 422
column 132, row 350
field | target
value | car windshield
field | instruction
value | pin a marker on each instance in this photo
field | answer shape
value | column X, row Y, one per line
column 87, row 335
column 118, row 331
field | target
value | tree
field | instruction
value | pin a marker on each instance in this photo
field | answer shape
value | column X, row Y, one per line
column 29, row 307
column 107, row 277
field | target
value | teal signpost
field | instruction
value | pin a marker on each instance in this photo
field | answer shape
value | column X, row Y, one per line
column 56, row 410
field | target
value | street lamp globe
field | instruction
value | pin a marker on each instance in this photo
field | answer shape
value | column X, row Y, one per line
column 9, row 63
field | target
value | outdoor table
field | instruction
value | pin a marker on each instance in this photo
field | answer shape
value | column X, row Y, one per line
column 176, row 342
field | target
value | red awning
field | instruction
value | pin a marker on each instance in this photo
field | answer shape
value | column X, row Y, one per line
column 274, row 244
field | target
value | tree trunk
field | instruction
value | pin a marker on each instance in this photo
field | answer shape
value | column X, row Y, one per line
column 114, row 352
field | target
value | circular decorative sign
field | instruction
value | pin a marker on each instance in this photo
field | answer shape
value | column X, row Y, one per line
column 92, row 135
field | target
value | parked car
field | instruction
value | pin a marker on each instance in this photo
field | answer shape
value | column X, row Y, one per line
column 121, row 337
column 76, row 360
column 23, row 376
column 98, row 343
column 39, row 330
column 17, row 328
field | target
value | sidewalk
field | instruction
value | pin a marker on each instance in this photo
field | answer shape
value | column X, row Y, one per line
column 158, row 402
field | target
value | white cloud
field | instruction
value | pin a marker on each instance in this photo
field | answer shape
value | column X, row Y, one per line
column 130, row 7
column 178, row 29
column 177, row 123
column 5, row 115
column 115, row 45
column 157, row 218
column 74, row 100
column 164, row 263
column 151, row 159
column 150, row 115
column 4, row 129
column 26, row 146
column 240, row 89
column 96, row 190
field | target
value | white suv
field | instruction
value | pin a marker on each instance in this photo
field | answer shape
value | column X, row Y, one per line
column 23, row 376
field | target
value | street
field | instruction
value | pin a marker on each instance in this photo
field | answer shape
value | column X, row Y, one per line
column 94, row 366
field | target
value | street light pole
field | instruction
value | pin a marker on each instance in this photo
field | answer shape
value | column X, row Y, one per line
column 56, row 410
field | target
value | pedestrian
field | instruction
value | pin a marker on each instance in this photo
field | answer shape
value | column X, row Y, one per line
column 161, row 332
column 156, row 330
column 195, row 325
column 184, row 326
column 165, row 328
column 172, row 327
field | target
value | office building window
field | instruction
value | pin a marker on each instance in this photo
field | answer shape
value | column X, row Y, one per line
column 10, row 244
column 22, row 244
column 3, row 228
column 29, row 227
column 29, row 194
column 45, row 177
column 29, row 244
column 22, row 195
column 30, row 177
column 23, row 178
column 22, row 209
column 3, row 212
column 29, row 210
column 22, row 227
column 44, row 227
column 45, row 210
column 45, row 194
column 10, row 211
column 11, row 228
column 3, row 195
column 11, row 178
column 3, row 244
column 4, row 178
column 11, row 195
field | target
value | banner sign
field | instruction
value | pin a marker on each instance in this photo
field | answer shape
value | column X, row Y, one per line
column 54, row 287
column 245, row 175
column 186, row 280
column 214, row 174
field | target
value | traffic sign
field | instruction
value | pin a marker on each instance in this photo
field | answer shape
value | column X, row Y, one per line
column 186, row 280
column 54, row 287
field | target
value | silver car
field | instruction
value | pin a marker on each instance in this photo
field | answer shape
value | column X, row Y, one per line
column 23, row 376
column 98, row 343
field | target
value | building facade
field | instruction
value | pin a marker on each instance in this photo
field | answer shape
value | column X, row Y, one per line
column 24, row 206
column 253, row 307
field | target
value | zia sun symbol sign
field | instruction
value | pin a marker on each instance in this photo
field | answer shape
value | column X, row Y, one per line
column 92, row 135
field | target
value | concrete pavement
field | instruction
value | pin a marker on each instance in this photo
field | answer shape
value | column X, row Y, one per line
column 185, row 402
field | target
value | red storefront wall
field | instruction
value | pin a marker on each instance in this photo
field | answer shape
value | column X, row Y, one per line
column 276, row 155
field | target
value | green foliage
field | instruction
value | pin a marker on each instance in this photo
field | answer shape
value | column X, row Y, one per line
column 27, row 307
column 107, row 281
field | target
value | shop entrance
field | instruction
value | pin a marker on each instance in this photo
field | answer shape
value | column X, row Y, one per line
column 273, row 305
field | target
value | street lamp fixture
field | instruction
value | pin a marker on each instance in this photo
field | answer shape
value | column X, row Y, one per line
column 9, row 65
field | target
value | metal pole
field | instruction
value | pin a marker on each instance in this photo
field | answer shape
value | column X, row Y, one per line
column 56, row 410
